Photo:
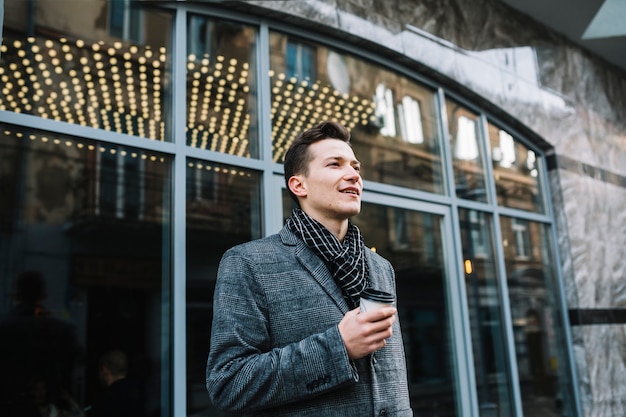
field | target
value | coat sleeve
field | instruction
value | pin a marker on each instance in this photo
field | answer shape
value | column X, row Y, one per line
column 244, row 370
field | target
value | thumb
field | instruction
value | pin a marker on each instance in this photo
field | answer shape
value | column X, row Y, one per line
column 353, row 312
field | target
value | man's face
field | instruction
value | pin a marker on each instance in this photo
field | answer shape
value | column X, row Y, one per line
column 332, row 188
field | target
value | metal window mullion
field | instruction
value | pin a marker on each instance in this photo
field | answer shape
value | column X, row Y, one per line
column 120, row 185
column 458, row 308
column 447, row 159
column 271, row 215
column 492, row 198
column 506, row 315
column 485, row 150
column 177, row 330
column 459, row 312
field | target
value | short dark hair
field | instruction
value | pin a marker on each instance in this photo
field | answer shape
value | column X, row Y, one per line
column 116, row 362
column 30, row 287
column 297, row 157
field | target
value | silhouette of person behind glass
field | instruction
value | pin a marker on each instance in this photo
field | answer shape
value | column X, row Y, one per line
column 122, row 396
column 37, row 352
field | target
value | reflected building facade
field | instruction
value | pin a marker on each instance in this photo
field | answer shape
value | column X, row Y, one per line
column 142, row 140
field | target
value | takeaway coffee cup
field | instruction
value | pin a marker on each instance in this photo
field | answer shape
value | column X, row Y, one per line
column 372, row 299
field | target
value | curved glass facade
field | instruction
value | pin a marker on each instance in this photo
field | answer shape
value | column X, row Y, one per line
column 124, row 235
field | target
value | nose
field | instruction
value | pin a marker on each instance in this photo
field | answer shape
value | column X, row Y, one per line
column 352, row 174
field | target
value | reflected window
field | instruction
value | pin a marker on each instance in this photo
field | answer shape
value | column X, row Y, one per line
column 203, row 182
column 465, row 139
column 400, row 232
column 505, row 153
column 537, row 326
column 480, row 238
column 119, row 84
column 223, row 209
column 120, row 192
column 491, row 369
column 221, row 87
column 93, row 247
column 412, row 242
column 466, row 146
column 125, row 21
column 301, row 61
column 392, row 119
column 411, row 120
column 385, row 112
column 521, row 238
column 516, row 173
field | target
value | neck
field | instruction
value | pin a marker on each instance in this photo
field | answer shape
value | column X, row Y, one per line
column 338, row 227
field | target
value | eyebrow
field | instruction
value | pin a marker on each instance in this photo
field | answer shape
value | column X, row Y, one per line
column 341, row 158
column 352, row 161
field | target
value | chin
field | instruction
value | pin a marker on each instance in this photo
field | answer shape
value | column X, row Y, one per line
column 353, row 212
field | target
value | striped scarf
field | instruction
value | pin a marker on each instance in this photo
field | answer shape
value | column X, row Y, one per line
column 346, row 261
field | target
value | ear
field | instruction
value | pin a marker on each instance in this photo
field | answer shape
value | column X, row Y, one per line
column 297, row 186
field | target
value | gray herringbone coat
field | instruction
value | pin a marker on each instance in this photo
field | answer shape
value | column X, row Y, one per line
column 275, row 345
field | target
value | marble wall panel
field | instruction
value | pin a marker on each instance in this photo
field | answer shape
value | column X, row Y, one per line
column 609, row 141
column 606, row 363
column 428, row 50
column 597, row 237
column 322, row 12
column 563, row 241
column 353, row 24
column 385, row 15
column 581, row 360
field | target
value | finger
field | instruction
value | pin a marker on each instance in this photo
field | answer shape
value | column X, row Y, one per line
column 379, row 314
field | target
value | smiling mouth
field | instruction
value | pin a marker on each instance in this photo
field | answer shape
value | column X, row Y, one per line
column 354, row 192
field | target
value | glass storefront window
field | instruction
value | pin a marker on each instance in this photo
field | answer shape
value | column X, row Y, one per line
column 537, row 327
column 516, row 171
column 412, row 242
column 393, row 119
column 84, row 270
column 223, row 209
column 467, row 156
column 221, row 87
column 53, row 67
column 491, row 368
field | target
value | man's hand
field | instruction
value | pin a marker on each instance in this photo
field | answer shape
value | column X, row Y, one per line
column 364, row 333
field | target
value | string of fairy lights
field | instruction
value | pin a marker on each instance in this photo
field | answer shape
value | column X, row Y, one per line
column 122, row 88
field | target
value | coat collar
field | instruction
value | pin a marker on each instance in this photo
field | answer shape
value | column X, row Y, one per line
column 316, row 267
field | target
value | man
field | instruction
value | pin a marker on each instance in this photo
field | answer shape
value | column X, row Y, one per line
column 122, row 396
column 288, row 338
column 38, row 351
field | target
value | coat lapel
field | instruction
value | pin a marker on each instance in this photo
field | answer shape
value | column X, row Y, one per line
column 316, row 267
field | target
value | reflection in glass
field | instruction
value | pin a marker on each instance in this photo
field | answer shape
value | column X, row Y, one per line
column 393, row 120
column 115, row 83
column 412, row 242
column 223, row 209
column 221, row 87
column 537, row 324
column 467, row 160
column 491, row 369
column 516, row 172
column 89, row 223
